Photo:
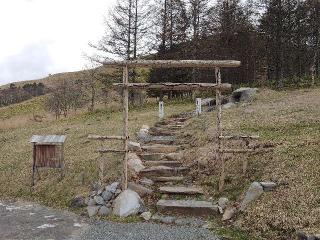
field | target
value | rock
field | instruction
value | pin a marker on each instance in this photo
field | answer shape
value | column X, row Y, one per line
column 104, row 211
column 118, row 191
column 93, row 210
column 223, row 202
column 78, row 202
column 91, row 202
column 228, row 105
column 253, row 193
column 163, row 219
column 99, row 200
column 107, row 195
column 134, row 146
column 143, row 134
column 146, row 215
column 112, row 187
column 95, row 187
column 208, row 102
column 146, row 181
column 127, row 203
column 178, row 156
column 229, row 213
column 141, row 190
column 135, row 163
column 302, row 236
column 268, row 186
column 243, row 94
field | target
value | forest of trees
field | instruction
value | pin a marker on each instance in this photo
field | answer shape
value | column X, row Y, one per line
column 276, row 40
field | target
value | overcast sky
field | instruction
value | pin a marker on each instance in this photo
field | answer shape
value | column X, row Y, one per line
column 41, row 37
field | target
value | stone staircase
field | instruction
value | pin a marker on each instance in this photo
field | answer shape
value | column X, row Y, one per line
column 160, row 155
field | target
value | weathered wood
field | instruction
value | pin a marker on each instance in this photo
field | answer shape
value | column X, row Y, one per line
column 125, row 125
column 176, row 86
column 245, row 150
column 106, row 150
column 240, row 137
column 174, row 63
column 220, row 160
column 98, row 137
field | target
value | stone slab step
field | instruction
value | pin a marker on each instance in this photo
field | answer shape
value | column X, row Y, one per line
column 162, row 163
column 187, row 207
column 152, row 156
column 168, row 179
column 160, row 140
column 186, row 190
column 161, row 148
column 158, row 131
column 163, row 171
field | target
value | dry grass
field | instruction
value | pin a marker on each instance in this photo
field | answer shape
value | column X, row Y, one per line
column 80, row 156
column 291, row 121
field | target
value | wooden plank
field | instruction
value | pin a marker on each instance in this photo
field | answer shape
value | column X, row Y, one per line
column 98, row 137
column 106, row 150
column 239, row 137
column 176, row 86
column 174, row 63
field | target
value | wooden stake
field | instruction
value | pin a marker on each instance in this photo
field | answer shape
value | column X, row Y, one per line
column 219, row 130
column 245, row 159
column 125, row 126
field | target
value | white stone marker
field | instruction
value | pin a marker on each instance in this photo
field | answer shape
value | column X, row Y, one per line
column 198, row 106
column 161, row 109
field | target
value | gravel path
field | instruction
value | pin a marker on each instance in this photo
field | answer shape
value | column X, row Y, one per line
column 26, row 221
column 144, row 231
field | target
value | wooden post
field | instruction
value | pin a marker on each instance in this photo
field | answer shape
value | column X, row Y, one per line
column 220, row 159
column 198, row 106
column 33, row 163
column 161, row 110
column 245, row 159
column 125, row 126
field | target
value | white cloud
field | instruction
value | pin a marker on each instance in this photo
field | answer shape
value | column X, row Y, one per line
column 39, row 37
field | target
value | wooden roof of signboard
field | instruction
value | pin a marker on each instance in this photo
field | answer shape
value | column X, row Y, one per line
column 48, row 139
column 174, row 63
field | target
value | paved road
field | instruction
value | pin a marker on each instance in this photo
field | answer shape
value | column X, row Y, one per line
column 24, row 221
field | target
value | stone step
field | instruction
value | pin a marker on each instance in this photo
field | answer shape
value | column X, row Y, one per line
column 160, row 140
column 158, row 131
column 163, row 171
column 162, row 163
column 161, row 148
column 187, row 207
column 152, row 156
column 186, row 190
column 168, row 179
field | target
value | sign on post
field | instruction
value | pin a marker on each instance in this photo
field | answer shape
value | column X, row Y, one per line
column 161, row 109
column 198, row 106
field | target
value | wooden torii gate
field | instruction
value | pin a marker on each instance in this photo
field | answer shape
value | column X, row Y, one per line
column 218, row 87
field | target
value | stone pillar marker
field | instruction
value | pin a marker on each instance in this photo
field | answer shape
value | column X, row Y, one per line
column 161, row 109
column 198, row 106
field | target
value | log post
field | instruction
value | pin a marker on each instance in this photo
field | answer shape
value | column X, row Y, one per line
column 125, row 126
column 220, row 159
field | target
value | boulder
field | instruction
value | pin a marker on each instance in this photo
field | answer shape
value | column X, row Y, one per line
column 254, row 192
column 164, row 219
column 229, row 213
column 91, row 202
column 135, row 163
column 104, row 211
column 134, row 146
column 127, row 203
column 146, row 215
column 112, row 187
column 268, row 186
column 143, row 134
column 146, row 182
column 141, row 190
column 93, row 210
column 243, row 94
column 99, row 200
column 228, row 105
column 78, row 202
column 107, row 195
column 223, row 202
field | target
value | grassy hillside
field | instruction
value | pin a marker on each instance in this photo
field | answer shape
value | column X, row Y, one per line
column 290, row 120
column 81, row 159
